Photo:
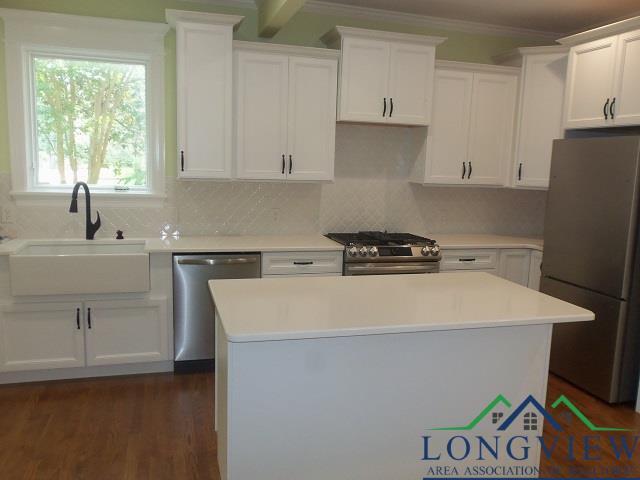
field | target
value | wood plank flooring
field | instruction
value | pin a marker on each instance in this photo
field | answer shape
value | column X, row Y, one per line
column 160, row 427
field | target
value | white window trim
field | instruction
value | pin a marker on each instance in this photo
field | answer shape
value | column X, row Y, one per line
column 30, row 33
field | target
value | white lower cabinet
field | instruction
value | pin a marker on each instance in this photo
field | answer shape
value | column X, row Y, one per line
column 126, row 331
column 41, row 336
column 535, row 270
column 301, row 263
column 513, row 265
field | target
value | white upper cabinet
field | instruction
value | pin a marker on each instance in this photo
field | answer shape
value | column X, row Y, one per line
column 384, row 77
column 539, row 122
column 285, row 107
column 627, row 82
column 603, row 76
column 471, row 136
column 590, row 84
column 204, row 95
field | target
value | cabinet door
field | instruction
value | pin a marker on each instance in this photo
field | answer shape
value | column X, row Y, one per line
column 535, row 273
column 627, row 94
column 590, row 79
column 541, row 97
column 204, row 76
column 493, row 109
column 126, row 331
column 513, row 265
column 261, row 114
column 312, row 118
column 411, row 84
column 448, row 134
column 364, row 80
column 38, row 336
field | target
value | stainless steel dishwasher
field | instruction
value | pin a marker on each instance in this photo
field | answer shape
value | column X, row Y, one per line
column 193, row 311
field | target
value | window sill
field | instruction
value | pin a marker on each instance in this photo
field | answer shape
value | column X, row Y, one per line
column 98, row 199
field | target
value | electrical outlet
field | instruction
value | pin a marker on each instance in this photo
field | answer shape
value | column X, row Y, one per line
column 6, row 216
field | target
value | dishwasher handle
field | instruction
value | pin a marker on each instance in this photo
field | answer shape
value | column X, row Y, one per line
column 216, row 261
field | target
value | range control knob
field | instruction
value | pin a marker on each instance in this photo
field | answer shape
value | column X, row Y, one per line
column 363, row 251
column 352, row 251
column 373, row 251
column 435, row 250
column 425, row 251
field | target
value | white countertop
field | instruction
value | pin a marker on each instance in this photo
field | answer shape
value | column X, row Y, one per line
column 448, row 240
column 294, row 308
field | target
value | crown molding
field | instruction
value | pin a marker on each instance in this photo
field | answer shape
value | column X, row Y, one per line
column 615, row 28
column 174, row 16
column 333, row 36
column 375, row 14
column 476, row 67
column 514, row 57
column 291, row 50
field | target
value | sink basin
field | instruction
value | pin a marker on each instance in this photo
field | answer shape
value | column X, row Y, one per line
column 79, row 267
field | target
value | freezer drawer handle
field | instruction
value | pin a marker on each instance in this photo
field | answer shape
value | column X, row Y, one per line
column 306, row 262
column 216, row 261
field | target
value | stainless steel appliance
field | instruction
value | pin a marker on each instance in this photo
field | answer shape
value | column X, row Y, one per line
column 193, row 311
column 591, row 259
column 379, row 253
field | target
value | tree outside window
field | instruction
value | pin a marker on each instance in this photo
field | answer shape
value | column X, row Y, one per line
column 91, row 122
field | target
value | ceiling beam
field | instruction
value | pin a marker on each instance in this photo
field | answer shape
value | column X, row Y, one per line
column 274, row 14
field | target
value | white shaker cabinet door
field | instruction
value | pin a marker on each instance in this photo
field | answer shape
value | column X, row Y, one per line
column 448, row 134
column 513, row 265
column 364, row 81
column 312, row 118
column 37, row 336
column 411, row 84
column 535, row 270
column 627, row 94
column 590, row 79
column 126, row 331
column 542, row 93
column 204, row 76
column 493, row 112
column 261, row 115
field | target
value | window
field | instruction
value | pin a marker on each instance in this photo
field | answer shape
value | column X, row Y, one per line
column 530, row 421
column 90, row 123
column 496, row 416
column 86, row 101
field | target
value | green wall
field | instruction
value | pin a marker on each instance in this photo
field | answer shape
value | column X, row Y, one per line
column 303, row 29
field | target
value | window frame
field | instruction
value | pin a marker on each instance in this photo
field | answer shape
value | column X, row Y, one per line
column 32, row 34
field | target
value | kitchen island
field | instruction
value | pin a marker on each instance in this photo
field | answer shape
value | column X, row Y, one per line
column 347, row 377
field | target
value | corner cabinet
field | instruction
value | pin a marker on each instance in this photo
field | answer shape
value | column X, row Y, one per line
column 204, row 92
column 285, row 110
column 470, row 139
column 541, row 97
column 384, row 77
column 602, row 80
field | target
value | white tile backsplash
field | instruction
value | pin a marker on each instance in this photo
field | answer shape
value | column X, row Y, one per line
column 371, row 191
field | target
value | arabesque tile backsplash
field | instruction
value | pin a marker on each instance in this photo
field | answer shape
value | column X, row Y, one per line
column 371, row 191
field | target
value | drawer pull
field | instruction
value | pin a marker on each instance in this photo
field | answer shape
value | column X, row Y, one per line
column 466, row 259
column 306, row 262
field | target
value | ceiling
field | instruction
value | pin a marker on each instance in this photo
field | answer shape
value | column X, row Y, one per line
column 559, row 16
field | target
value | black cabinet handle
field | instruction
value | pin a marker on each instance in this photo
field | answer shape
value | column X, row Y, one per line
column 283, row 162
column 391, row 109
column 78, row 318
column 466, row 259
column 384, row 108
column 520, row 172
column 182, row 160
column 290, row 164
column 606, row 104
column 470, row 170
column 611, row 107
column 89, row 317
column 464, row 169
column 306, row 262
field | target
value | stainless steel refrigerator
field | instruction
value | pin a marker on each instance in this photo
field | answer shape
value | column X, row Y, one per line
column 591, row 259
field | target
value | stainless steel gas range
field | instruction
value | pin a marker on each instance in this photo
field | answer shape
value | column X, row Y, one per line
column 379, row 253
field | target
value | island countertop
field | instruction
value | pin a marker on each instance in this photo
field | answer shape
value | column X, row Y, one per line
column 292, row 308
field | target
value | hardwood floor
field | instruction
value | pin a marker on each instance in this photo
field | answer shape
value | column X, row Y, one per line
column 160, row 427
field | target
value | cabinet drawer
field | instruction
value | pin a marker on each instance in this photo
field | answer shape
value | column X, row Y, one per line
column 295, row 263
column 480, row 259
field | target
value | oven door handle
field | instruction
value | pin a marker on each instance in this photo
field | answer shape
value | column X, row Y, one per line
column 370, row 269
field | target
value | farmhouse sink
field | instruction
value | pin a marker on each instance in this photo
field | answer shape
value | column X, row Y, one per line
column 79, row 267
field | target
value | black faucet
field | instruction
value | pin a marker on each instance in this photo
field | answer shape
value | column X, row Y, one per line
column 92, row 228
